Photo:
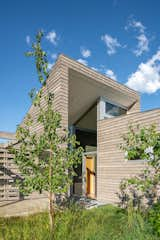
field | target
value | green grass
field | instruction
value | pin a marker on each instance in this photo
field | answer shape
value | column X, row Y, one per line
column 108, row 223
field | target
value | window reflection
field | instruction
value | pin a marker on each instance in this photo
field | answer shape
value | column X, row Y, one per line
column 112, row 110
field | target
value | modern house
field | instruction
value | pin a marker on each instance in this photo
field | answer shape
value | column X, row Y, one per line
column 98, row 110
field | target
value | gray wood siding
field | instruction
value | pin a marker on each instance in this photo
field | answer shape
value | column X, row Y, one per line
column 57, row 83
column 111, row 165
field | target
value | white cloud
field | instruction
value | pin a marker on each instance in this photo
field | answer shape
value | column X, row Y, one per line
column 111, row 43
column 28, row 39
column 143, row 41
column 50, row 65
column 142, row 46
column 111, row 74
column 54, row 55
column 85, row 52
column 95, row 69
column 83, row 61
column 108, row 72
column 147, row 77
column 52, row 37
column 135, row 25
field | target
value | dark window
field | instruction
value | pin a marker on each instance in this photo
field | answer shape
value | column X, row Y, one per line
column 112, row 110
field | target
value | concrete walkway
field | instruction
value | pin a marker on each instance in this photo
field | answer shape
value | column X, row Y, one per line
column 39, row 204
column 23, row 207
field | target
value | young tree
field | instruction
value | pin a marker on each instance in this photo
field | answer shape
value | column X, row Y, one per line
column 47, row 160
column 144, row 189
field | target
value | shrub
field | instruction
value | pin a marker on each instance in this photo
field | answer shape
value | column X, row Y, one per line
column 143, row 189
column 154, row 218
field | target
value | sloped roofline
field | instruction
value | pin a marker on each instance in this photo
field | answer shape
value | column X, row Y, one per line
column 72, row 62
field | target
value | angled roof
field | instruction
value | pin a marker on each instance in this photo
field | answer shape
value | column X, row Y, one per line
column 86, row 86
column 83, row 87
column 98, row 77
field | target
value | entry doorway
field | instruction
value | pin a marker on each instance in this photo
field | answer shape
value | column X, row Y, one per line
column 89, row 175
column 88, row 140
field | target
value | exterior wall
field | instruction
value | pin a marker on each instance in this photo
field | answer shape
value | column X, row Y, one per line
column 57, row 83
column 111, row 165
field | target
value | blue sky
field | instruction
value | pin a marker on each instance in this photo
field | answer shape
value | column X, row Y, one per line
column 119, row 38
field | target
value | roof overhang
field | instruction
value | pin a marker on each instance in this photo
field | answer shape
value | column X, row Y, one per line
column 86, row 89
column 86, row 86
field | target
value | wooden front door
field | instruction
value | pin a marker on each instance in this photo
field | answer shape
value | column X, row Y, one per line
column 90, row 176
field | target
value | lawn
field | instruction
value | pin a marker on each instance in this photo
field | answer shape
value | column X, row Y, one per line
column 108, row 223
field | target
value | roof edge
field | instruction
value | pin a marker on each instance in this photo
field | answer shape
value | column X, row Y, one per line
column 62, row 57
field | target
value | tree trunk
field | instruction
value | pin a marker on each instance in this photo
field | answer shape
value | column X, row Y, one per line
column 51, row 214
column 51, row 199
